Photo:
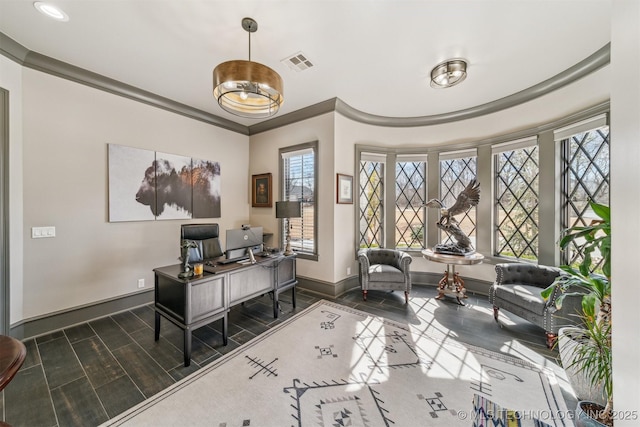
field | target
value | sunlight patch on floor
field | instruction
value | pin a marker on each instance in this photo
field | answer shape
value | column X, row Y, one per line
column 424, row 309
column 454, row 361
column 516, row 349
column 369, row 348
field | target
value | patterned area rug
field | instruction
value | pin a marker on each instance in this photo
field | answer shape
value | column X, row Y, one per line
column 334, row 366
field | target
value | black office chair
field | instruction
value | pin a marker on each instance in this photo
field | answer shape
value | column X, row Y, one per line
column 206, row 238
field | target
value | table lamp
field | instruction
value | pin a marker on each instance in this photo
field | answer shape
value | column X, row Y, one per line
column 286, row 210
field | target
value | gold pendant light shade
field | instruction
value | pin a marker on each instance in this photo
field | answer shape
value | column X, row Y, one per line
column 247, row 89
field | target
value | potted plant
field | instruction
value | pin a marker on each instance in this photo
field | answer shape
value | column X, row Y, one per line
column 590, row 353
column 592, row 357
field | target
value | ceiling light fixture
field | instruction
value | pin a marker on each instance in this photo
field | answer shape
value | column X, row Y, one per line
column 245, row 88
column 448, row 73
column 51, row 11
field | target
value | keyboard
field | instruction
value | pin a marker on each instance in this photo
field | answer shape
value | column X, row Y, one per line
column 230, row 260
column 210, row 268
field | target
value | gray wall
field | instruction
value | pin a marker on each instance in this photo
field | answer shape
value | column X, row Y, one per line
column 625, row 208
column 67, row 127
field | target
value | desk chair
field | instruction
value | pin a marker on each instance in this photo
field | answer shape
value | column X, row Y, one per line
column 207, row 240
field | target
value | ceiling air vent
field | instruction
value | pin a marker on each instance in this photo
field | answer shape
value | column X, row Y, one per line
column 298, row 62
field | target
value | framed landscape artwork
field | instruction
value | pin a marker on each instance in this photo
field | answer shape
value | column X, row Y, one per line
column 344, row 189
column 149, row 185
column 261, row 191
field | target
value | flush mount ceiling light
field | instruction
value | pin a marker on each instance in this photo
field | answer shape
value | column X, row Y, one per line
column 51, row 11
column 246, row 88
column 448, row 73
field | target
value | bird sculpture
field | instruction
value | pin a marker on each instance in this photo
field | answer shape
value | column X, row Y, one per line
column 468, row 198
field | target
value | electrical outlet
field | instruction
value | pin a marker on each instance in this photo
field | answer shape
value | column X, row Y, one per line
column 140, row 283
column 348, row 270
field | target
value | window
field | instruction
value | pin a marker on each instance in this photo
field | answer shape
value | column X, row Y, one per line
column 410, row 198
column 456, row 171
column 392, row 219
column 585, row 160
column 516, row 199
column 523, row 223
column 298, row 183
column 371, row 197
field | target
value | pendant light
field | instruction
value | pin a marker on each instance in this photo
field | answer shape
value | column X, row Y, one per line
column 246, row 88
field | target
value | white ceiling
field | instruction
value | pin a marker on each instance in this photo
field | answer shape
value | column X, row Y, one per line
column 375, row 56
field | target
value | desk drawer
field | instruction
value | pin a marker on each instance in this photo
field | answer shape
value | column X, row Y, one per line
column 249, row 282
column 206, row 298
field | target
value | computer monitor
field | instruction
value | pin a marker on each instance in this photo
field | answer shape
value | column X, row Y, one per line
column 238, row 240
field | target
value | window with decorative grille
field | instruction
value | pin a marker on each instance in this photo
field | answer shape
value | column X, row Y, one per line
column 516, row 199
column 410, row 198
column 299, row 183
column 371, row 201
column 585, row 159
column 456, row 171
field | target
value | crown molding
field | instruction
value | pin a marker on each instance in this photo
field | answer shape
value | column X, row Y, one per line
column 12, row 49
column 23, row 56
column 592, row 63
column 36, row 61
column 328, row 106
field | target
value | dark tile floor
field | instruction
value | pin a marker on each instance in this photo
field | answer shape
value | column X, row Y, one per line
column 89, row 373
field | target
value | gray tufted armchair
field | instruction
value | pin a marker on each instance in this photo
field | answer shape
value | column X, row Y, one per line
column 384, row 269
column 517, row 289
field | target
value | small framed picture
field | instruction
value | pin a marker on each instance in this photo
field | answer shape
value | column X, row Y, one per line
column 344, row 189
column 261, row 191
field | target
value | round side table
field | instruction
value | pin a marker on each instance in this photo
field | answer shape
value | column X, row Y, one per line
column 451, row 283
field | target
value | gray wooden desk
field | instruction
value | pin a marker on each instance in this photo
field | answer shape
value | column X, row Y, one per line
column 196, row 301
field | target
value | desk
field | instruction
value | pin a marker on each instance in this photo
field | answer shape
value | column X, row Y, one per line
column 12, row 355
column 192, row 302
column 451, row 283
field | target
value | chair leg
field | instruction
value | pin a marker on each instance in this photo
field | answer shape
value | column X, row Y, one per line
column 406, row 297
column 495, row 312
column 551, row 339
column 364, row 295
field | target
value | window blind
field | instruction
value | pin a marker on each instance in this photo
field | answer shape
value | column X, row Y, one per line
column 460, row 154
column 515, row 145
column 414, row 158
column 580, row 127
column 299, row 185
column 373, row 157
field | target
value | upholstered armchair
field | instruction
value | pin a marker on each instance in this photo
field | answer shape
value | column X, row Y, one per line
column 384, row 269
column 517, row 289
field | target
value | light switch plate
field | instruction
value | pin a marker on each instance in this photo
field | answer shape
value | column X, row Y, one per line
column 42, row 232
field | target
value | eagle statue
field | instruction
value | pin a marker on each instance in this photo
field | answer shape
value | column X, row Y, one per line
column 468, row 198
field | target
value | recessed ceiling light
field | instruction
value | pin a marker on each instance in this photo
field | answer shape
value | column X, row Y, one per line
column 51, row 11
